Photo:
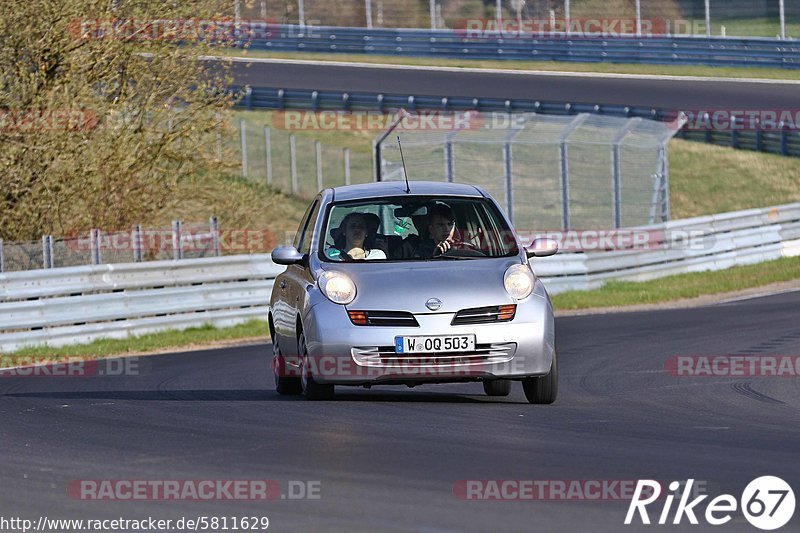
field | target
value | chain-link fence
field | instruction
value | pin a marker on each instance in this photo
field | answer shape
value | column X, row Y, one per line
column 298, row 162
column 94, row 247
column 550, row 172
column 742, row 18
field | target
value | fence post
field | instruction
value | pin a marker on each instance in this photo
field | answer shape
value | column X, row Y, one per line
column 508, row 180
column 213, row 225
column 137, row 244
column 708, row 18
column 376, row 160
column 177, row 242
column 368, row 9
column 293, row 161
column 638, row 18
column 47, row 251
column 449, row 164
column 2, row 262
column 346, row 166
column 268, row 149
column 318, row 149
column 563, row 166
column 782, row 9
column 243, row 134
column 616, row 169
column 94, row 238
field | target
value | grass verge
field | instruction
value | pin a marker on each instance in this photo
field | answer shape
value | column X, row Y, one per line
column 707, row 179
column 692, row 285
column 151, row 342
column 606, row 68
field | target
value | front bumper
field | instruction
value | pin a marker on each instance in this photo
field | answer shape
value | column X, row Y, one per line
column 342, row 353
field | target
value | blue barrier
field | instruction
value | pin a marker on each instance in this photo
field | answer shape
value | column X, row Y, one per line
column 716, row 51
column 784, row 142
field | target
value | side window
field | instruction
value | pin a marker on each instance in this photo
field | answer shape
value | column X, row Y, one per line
column 306, row 236
column 303, row 223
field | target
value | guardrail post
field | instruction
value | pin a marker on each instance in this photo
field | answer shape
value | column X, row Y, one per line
column 281, row 99
column 47, row 251
column 213, row 226
column 759, row 138
column 318, row 149
column 248, row 97
column 2, row 262
column 346, row 156
column 784, row 141
column 314, row 100
column 243, row 134
column 380, row 99
column 268, row 152
column 137, row 244
column 346, row 101
column 293, row 161
column 94, row 238
column 177, row 241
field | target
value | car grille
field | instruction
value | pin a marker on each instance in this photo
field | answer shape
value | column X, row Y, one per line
column 386, row 357
column 383, row 318
column 484, row 315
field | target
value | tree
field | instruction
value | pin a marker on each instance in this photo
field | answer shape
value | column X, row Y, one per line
column 104, row 108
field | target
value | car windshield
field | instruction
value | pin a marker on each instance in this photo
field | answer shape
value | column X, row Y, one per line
column 415, row 228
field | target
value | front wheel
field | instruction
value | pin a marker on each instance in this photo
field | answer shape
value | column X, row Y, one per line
column 542, row 389
column 312, row 390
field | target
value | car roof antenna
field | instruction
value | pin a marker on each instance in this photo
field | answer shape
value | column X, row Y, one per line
column 403, row 159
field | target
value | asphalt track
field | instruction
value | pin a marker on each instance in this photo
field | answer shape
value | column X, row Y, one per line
column 665, row 93
column 387, row 459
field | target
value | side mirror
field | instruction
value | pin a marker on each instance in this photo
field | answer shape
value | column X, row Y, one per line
column 542, row 247
column 286, row 255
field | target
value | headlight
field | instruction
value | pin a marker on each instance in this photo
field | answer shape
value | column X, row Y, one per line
column 518, row 281
column 338, row 287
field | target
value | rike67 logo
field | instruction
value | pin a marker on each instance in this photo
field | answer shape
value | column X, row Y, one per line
column 767, row 503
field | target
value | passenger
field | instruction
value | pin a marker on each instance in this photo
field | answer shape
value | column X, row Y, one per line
column 355, row 240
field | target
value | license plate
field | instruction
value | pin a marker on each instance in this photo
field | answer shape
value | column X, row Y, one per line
column 434, row 343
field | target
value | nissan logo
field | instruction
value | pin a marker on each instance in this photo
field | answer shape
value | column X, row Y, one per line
column 433, row 304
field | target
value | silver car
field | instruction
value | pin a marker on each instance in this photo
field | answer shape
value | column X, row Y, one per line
column 426, row 283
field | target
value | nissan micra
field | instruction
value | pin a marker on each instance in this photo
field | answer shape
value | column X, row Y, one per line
column 395, row 284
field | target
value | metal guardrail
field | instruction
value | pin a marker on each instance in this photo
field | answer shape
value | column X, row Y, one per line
column 716, row 51
column 79, row 304
column 720, row 241
column 784, row 142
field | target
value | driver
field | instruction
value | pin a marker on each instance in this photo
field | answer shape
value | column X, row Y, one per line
column 441, row 232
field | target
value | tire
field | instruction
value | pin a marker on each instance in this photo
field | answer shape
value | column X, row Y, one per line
column 542, row 389
column 497, row 387
column 311, row 389
column 284, row 385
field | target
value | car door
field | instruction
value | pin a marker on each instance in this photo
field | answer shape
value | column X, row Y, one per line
column 297, row 277
column 283, row 316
